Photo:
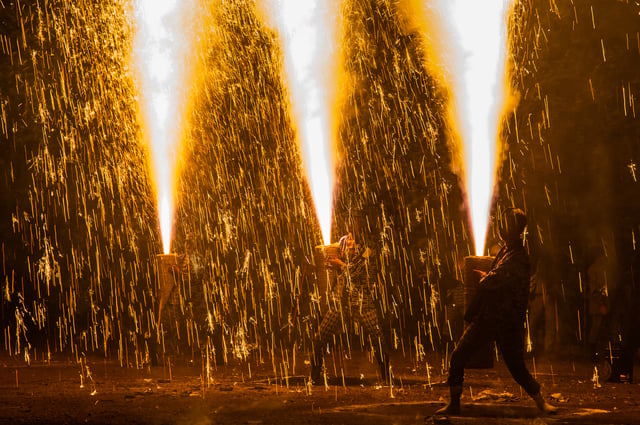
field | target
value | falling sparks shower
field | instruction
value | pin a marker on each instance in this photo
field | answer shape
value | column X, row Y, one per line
column 466, row 44
column 308, row 32
column 161, row 56
column 80, row 223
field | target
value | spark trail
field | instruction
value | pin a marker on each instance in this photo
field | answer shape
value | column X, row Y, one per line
column 308, row 33
column 466, row 43
column 161, row 48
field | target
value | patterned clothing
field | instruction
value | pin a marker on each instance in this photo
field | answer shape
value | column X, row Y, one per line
column 499, row 315
column 352, row 300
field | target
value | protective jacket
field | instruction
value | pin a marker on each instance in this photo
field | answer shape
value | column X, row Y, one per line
column 503, row 293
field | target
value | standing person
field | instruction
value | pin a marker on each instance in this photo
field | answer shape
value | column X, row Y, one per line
column 497, row 313
column 352, row 300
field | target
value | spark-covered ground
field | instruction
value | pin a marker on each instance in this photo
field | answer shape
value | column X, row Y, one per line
column 62, row 392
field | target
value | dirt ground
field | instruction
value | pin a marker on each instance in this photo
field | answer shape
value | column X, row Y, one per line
column 95, row 391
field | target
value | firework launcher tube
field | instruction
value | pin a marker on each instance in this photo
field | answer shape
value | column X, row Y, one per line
column 483, row 357
column 167, row 266
column 325, row 274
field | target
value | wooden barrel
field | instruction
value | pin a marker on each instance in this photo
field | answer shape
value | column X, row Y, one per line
column 326, row 276
column 483, row 357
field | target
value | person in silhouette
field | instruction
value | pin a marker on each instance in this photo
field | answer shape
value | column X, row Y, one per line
column 497, row 313
column 352, row 301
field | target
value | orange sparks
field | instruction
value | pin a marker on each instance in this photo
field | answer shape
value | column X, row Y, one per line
column 466, row 43
column 161, row 46
column 308, row 34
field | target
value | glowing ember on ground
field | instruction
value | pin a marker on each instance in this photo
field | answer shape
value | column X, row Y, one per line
column 161, row 45
column 308, row 35
column 467, row 46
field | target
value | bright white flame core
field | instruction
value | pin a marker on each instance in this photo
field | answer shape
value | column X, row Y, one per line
column 471, row 51
column 307, row 31
column 482, row 33
column 160, row 48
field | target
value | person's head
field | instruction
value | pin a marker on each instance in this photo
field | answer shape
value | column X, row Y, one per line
column 347, row 245
column 512, row 225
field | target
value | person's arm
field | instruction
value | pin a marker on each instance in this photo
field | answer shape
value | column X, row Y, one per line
column 504, row 273
column 337, row 264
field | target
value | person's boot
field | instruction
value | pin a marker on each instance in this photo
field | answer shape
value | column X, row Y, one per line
column 453, row 408
column 543, row 405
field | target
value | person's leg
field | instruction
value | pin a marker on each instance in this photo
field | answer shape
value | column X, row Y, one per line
column 367, row 316
column 511, row 345
column 331, row 324
column 474, row 336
